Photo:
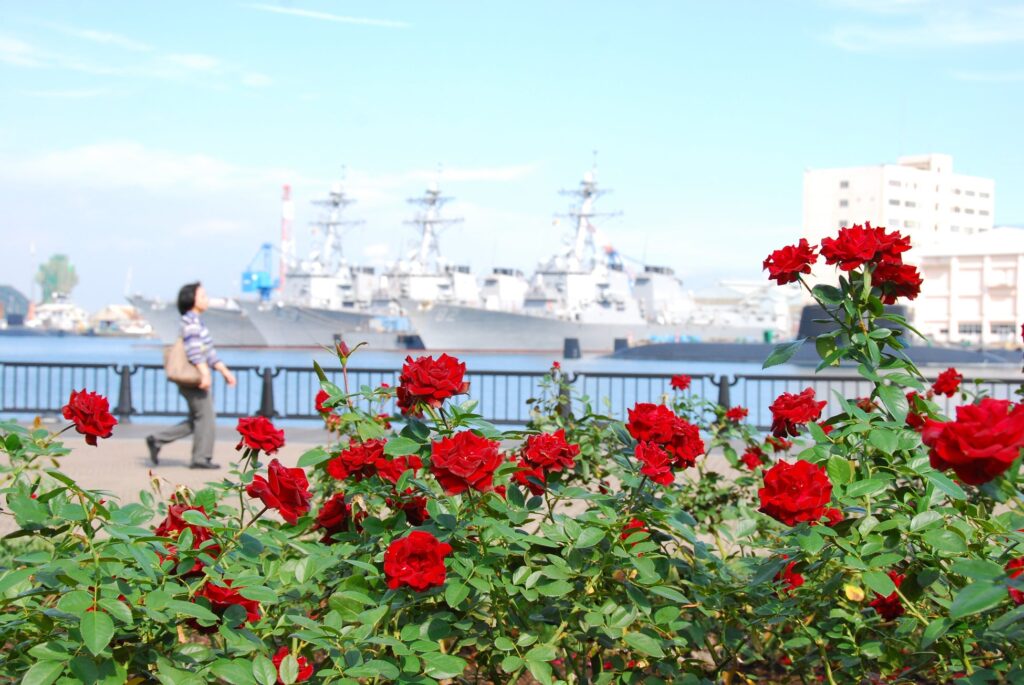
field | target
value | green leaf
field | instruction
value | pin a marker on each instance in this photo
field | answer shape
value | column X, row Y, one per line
column 235, row 672
column 399, row 446
column 883, row 440
column 879, row 582
column 895, row 401
column 504, row 644
column 978, row 569
column 263, row 670
column 443, row 665
column 196, row 518
column 317, row 455
column 191, row 609
column 97, row 630
column 455, row 592
column 644, row 644
column 945, row 540
column 946, row 485
column 43, row 673
column 926, row 519
column 829, row 294
column 810, row 542
column 975, row 598
column 863, row 488
column 783, row 353
column 374, row 668
column 934, row 631
column 320, row 372
column 542, row 653
column 118, row 609
column 840, row 470
column 589, row 537
column 558, row 588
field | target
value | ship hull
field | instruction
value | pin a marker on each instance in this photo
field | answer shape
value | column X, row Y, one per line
column 228, row 327
column 295, row 326
column 453, row 327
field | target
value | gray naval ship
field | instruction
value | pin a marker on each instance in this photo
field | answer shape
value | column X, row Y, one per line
column 324, row 297
column 585, row 292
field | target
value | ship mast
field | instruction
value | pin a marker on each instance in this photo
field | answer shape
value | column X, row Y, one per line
column 287, row 256
column 330, row 256
column 582, row 252
column 430, row 223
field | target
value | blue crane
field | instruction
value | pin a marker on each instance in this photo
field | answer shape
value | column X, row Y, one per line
column 262, row 280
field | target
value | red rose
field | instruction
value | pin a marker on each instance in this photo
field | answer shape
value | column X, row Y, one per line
column 795, row 492
column 391, row 470
column 948, row 383
column 417, row 560
column 834, row 516
column 779, row 444
column 736, row 414
column 305, row 668
column 652, row 422
column 1014, row 569
column 550, row 451
column 221, row 598
column 414, row 506
column 981, row 444
column 915, row 419
column 685, row 445
column 287, row 491
column 866, row 404
column 531, row 477
column 889, row 607
column 753, row 457
column 634, row 527
column 90, row 413
column 680, row 382
column 557, row 366
column 656, row 463
column 173, row 524
column 790, row 411
column 464, row 461
column 785, row 265
column 858, row 245
column 322, row 397
column 360, row 460
column 335, row 516
column 258, row 433
column 897, row 280
column 429, row 381
column 789, row 577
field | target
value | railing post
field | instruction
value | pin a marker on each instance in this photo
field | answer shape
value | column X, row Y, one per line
column 723, row 391
column 565, row 397
column 267, row 394
column 124, row 395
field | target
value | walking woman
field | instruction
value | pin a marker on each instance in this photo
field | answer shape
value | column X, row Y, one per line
column 201, row 421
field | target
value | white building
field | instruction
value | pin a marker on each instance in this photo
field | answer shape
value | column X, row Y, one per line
column 973, row 290
column 920, row 196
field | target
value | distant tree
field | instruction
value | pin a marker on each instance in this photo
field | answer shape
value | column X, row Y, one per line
column 56, row 276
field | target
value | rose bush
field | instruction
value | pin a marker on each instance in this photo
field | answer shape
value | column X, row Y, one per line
column 857, row 544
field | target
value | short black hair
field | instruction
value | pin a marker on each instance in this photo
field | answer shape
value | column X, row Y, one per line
column 187, row 296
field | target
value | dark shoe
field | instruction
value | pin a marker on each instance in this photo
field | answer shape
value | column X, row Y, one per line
column 205, row 465
column 154, row 450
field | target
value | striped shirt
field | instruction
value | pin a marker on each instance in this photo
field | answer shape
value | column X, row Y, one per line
column 198, row 343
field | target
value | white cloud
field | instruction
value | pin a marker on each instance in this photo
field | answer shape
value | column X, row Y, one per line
column 256, row 80
column 207, row 228
column 929, row 24
column 325, row 16
column 502, row 173
column 101, row 37
column 988, row 76
column 70, row 94
column 193, row 61
column 19, row 53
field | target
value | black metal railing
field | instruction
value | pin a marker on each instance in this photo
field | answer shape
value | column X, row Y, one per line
column 288, row 392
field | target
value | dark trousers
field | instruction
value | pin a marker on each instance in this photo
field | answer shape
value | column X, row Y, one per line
column 201, row 424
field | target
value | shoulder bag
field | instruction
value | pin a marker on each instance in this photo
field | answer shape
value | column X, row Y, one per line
column 177, row 366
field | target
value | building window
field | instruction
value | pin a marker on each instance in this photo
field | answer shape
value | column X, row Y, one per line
column 1009, row 329
column 956, row 191
column 956, row 210
column 983, row 212
column 955, row 229
column 969, row 328
column 844, row 184
column 844, row 203
column 894, row 183
column 969, row 211
column 984, row 194
column 894, row 202
column 843, row 223
column 970, row 192
column 909, row 224
column 910, row 203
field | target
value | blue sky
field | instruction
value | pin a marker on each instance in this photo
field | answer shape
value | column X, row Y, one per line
column 152, row 139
